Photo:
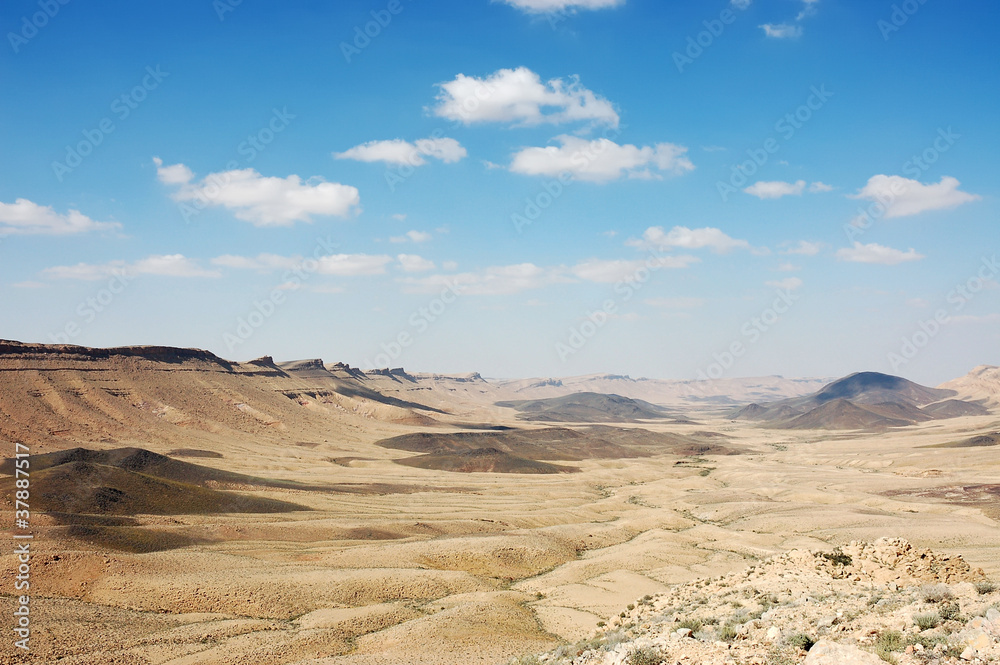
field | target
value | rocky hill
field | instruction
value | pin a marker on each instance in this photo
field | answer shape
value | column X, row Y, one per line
column 861, row 604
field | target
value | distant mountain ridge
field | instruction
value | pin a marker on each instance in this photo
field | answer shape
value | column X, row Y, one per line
column 863, row 400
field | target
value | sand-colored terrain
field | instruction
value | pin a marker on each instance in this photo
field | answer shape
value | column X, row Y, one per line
column 388, row 562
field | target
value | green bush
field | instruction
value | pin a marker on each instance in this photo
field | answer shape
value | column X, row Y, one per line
column 927, row 620
column 985, row 587
column 727, row 633
column 950, row 611
column 802, row 641
column 936, row 593
column 646, row 656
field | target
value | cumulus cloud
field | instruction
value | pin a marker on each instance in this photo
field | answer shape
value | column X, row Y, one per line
column 903, row 197
column 601, row 160
column 411, row 236
column 166, row 265
column 681, row 237
column 495, row 280
column 775, row 189
column 261, row 200
column 24, row 217
column 610, row 271
column 802, row 247
column 518, row 96
column 788, row 284
column 550, row 6
column 414, row 263
column 398, row 151
column 345, row 265
column 675, row 303
column 781, row 30
column 877, row 254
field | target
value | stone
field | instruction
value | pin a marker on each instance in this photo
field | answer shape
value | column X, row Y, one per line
column 826, row 652
column 968, row 654
column 773, row 633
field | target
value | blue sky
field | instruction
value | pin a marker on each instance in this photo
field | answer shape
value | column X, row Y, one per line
column 520, row 188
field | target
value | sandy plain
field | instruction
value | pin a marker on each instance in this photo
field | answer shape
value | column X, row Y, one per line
column 409, row 565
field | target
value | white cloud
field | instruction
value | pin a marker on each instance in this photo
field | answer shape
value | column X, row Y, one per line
column 411, row 236
column 740, row 4
column 610, row 271
column 681, row 237
column 600, row 160
column 495, row 280
column 29, row 284
column 518, row 96
column 450, row 265
column 176, row 174
column 398, row 151
column 803, row 248
column 781, row 30
column 788, row 284
column 399, row 217
column 903, row 197
column 788, row 267
column 549, row 6
column 261, row 200
column 262, row 262
column 808, row 9
column 24, row 217
column 879, row 254
column 347, row 265
column 675, row 303
column 414, row 263
column 350, row 265
column 775, row 189
column 168, row 265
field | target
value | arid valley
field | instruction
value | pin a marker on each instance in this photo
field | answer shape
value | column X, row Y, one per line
column 191, row 510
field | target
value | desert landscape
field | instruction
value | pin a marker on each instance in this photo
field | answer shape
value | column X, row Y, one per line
column 188, row 509
column 499, row 332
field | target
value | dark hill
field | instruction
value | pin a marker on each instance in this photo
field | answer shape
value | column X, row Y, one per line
column 140, row 460
column 953, row 408
column 841, row 414
column 483, row 460
column 876, row 388
column 586, row 408
column 97, row 489
column 980, row 441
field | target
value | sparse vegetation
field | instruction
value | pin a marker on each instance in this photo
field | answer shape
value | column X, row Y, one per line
column 985, row 587
column 950, row 611
column 889, row 641
column 646, row 656
column 927, row 620
column 694, row 625
column 801, row 640
column 727, row 633
column 936, row 593
column 838, row 558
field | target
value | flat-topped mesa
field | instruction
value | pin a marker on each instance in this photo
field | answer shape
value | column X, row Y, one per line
column 12, row 350
column 396, row 373
column 343, row 370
